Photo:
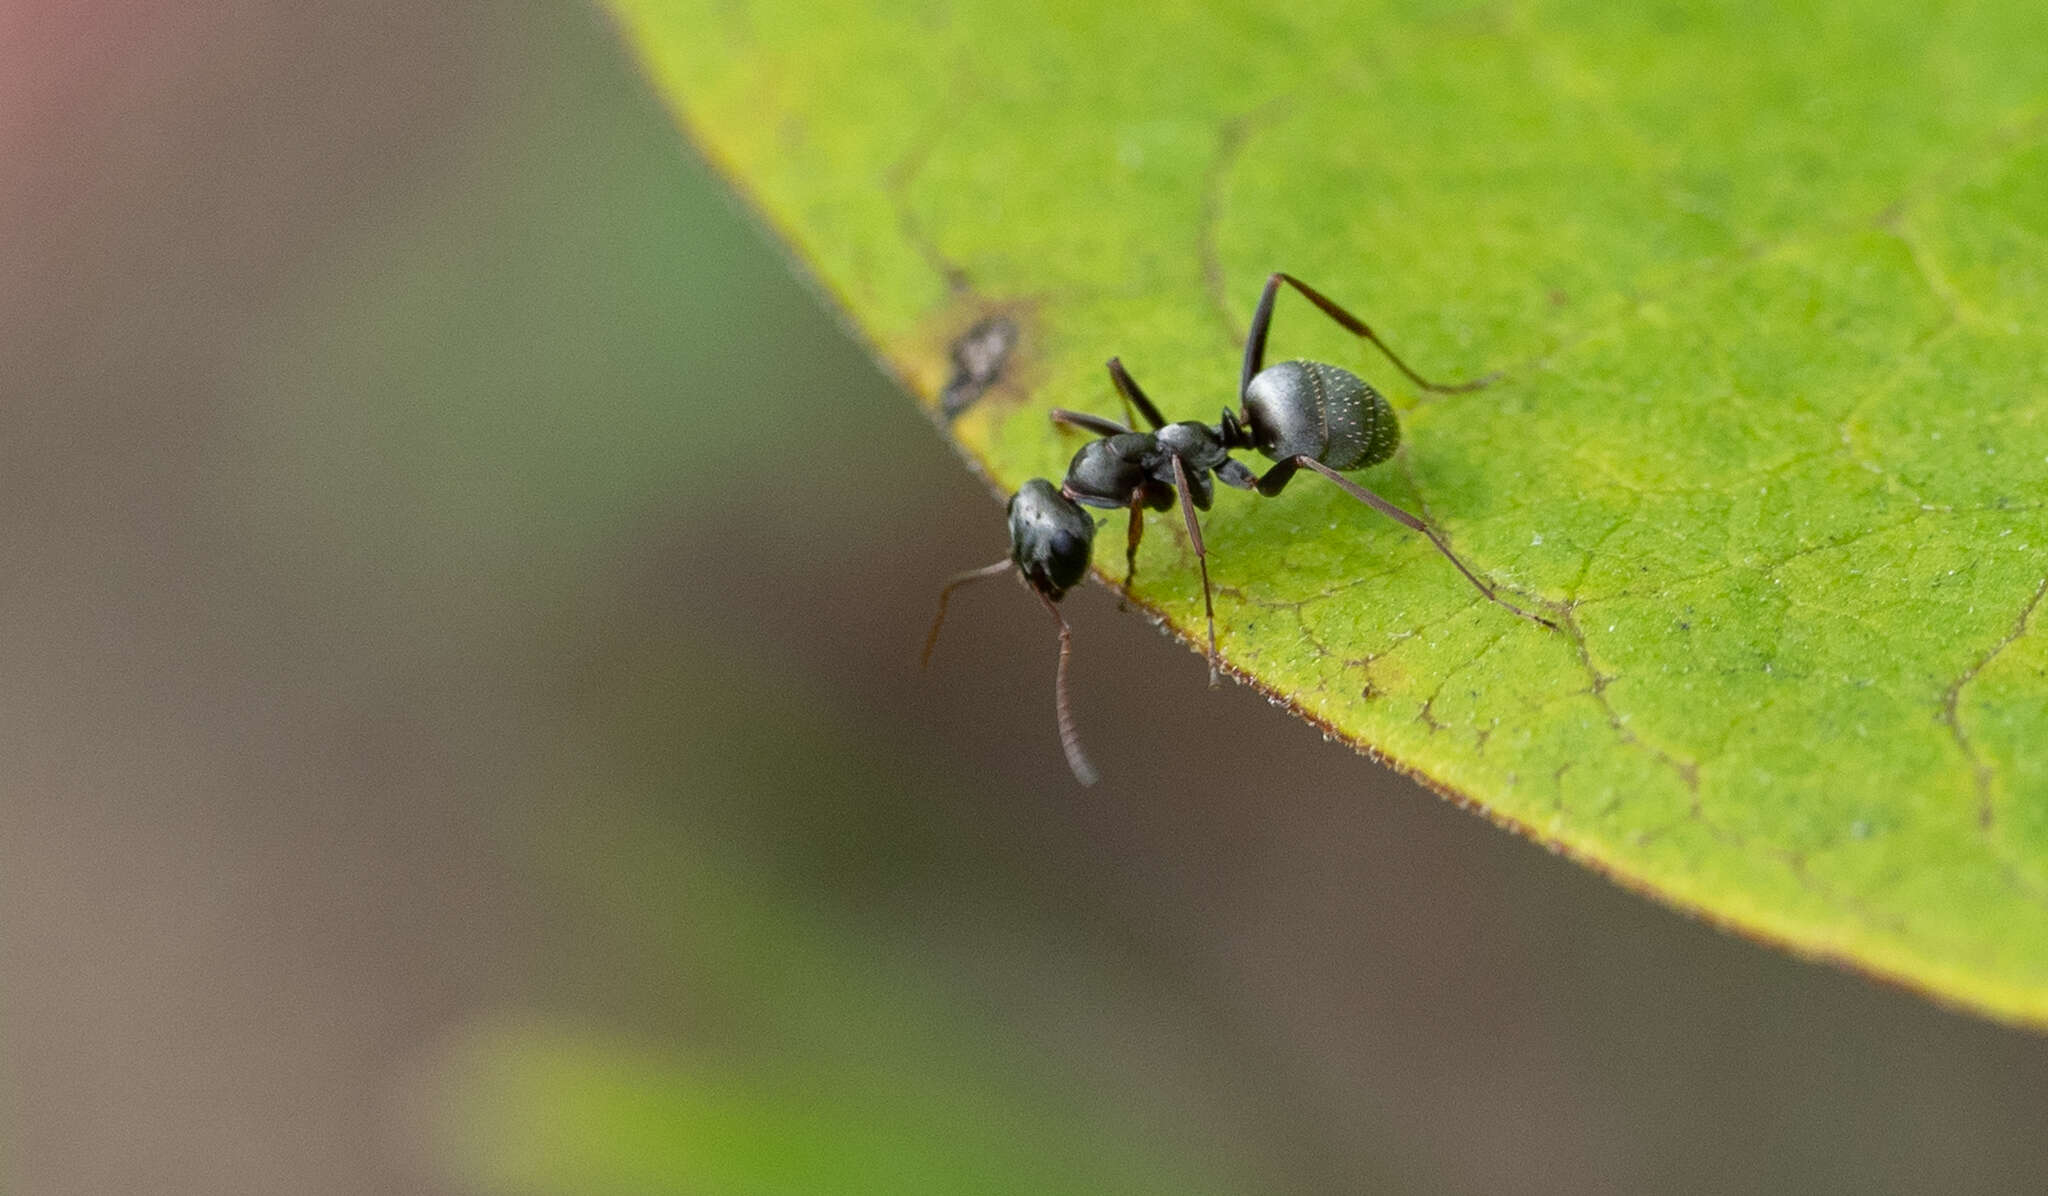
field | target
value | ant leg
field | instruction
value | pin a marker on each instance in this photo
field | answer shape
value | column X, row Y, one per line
column 1262, row 319
column 1070, row 740
column 1127, row 388
column 1274, row 480
column 1187, row 509
column 1277, row 477
column 1092, row 423
column 932, row 640
column 1255, row 339
column 1136, row 534
column 1129, row 391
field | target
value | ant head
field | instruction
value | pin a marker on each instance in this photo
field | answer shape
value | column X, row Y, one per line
column 1051, row 538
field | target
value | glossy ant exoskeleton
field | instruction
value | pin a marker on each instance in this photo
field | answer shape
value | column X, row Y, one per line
column 1300, row 414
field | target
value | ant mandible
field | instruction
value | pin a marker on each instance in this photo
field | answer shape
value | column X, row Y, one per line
column 1299, row 414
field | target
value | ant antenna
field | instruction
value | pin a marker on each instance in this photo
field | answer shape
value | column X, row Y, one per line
column 1070, row 740
column 932, row 641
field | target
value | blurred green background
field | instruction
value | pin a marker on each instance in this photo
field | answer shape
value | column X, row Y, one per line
column 463, row 731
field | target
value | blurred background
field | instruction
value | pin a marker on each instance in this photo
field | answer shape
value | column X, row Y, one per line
column 462, row 729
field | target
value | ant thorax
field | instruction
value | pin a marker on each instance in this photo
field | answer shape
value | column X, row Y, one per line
column 1116, row 471
column 1199, row 446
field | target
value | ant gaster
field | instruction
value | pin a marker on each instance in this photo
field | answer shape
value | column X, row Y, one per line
column 1299, row 414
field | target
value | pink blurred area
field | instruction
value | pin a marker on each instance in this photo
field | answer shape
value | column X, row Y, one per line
column 369, row 524
column 223, row 924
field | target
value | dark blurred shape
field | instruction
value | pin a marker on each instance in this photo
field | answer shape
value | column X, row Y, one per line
column 978, row 359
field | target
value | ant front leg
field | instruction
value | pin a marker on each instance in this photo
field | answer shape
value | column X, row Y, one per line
column 1086, row 422
column 1262, row 319
column 1128, row 390
column 1276, row 479
column 1136, row 534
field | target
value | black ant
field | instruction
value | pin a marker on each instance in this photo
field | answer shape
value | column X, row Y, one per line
column 1300, row 414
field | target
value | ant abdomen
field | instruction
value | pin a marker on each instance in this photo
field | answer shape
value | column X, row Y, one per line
column 1310, row 409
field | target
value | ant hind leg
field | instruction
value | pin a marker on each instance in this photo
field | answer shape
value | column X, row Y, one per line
column 1275, row 480
column 1262, row 319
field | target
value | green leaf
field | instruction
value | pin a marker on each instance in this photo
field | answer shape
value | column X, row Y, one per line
column 537, row 1106
column 1766, row 283
column 817, row 1063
